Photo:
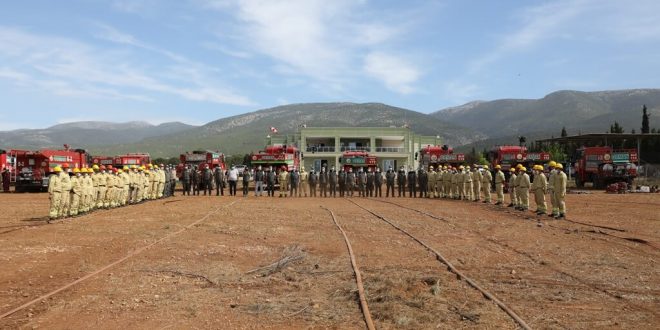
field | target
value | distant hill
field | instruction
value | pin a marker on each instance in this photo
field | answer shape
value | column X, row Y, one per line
column 247, row 132
column 87, row 134
column 577, row 111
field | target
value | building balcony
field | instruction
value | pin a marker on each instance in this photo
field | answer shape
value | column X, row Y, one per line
column 320, row 149
column 391, row 149
column 352, row 148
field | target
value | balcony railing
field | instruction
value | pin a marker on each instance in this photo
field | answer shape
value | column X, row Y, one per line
column 356, row 149
column 320, row 149
column 390, row 149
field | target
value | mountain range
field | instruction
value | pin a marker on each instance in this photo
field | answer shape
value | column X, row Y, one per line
column 478, row 123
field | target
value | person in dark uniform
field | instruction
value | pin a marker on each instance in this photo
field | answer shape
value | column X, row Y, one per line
column 423, row 179
column 196, row 181
column 341, row 180
column 313, row 179
column 186, row 177
column 362, row 182
column 412, row 184
column 207, row 180
column 5, row 180
column 323, row 183
column 350, row 182
column 259, row 178
column 166, row 189
column 390, row 177
column 370, row 182
column 401, row 181
column 270, row 181
column 332, row 181
column 246, row 181
column 219, row 177
column 378, row 183
column 294, row 182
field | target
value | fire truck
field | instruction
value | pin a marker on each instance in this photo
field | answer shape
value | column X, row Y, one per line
column 34, row 167
column 604, row 165
column 508, row 156
column 103, row 160
column 277, row 156
column 130, row 159
column 8, row 161
column 439, row 155
column 202, row 158
column 358, row 159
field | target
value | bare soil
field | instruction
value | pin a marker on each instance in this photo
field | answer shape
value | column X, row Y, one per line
column 600, row 271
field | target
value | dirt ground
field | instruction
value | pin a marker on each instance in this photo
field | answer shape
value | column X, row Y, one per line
column 214, row 264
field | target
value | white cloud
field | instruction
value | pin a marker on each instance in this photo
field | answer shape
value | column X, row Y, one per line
column 226, row 50
column 70, row 68
column 396, row 73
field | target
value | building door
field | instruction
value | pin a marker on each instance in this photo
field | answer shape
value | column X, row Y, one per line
column 317, row 165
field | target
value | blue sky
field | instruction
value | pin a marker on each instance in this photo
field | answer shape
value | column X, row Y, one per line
column 200, row 60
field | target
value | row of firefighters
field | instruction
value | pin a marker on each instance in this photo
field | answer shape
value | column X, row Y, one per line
column 78, row 191
column 461, row 183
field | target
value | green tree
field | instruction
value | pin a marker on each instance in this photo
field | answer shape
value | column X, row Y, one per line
column 645, row 121
column 557, row 153
column 616, row 128
column 563, row 132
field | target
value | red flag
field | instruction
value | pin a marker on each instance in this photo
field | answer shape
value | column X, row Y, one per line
column 273, row 129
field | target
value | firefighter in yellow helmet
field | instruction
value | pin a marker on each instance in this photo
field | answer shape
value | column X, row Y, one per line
column 538, row 189
column 560, row 192
column 477, row 177
column 283, row 179
column 513, row 188
column 76, row 192
column 55, row 193
column 523, row 188
column 500, row 180
column 486, row 182
column 66, row 191
column 551, row 186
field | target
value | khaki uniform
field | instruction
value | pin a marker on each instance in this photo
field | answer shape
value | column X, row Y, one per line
column 161, row 183
column 76, row 194
column 146, row 185
column 539, row 187
column 102, row 189
column 476, row 185
column 486, row 182
column 513, row 189
column 433, row 181
column 454, row 185
column 126, row 180
column 524, row 185
column 283, row 179
column 66, row 194
column 88, row 194
column 303, row 183
column 153, row 184
column 559, row 191
column 467, row 185
column 95, row 186
column 55, row 195
column 500, row 179
column 551, row 187
column 110, row 193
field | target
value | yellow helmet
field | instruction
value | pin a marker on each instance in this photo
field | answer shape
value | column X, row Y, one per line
column 552, row 163
column 133, row 166
column 460, row 167
column 155, row 166
column 485, row 167
column 120, row 171
column 519, row 166
column 96, row 167
column 523, row 168
column 559, row 166
column 125, row 168
column 76, row 170
column 57, row 169
column 513, row 169
column 431, row 167
column 497, row 167
column 150, row 165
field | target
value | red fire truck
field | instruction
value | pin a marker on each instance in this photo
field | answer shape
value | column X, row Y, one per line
column 358, row 159
column 439, row 155
column 202, row 158
column 277, row 156
column 8, row 161
column 103, row 160
column 137, row 159
column 34, row 167
column 604, row 165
